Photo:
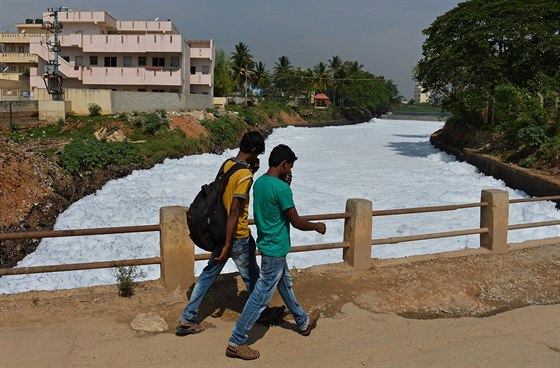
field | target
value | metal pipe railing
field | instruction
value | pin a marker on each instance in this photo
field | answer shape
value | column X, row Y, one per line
column 79, row 232
column 79, row 266
column 405, row 211
column 448, row 234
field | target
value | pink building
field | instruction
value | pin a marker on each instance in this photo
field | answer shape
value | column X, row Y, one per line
column 98, row 51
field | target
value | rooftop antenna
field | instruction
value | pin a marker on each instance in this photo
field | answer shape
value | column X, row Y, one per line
column 52, row 76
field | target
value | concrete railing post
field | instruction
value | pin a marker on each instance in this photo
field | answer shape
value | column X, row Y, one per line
column 495, row 217
column 357, row 233
column 176, row 247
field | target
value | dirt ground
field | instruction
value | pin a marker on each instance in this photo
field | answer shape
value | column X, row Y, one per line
column 472, row 309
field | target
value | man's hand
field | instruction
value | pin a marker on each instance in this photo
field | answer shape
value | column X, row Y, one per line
column 224, row 255
column 288, row 178
column 321, row 228
column 255, row 166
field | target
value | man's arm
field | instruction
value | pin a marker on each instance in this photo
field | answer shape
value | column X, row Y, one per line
column 302, row 224
column 232, row 220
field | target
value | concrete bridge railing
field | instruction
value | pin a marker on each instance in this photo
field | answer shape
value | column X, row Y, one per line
column 177, row 251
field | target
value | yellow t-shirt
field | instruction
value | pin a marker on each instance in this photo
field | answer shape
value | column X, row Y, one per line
column 238, row 186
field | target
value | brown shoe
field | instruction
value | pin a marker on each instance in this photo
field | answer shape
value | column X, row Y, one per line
column 242, row 352
column 313, row 318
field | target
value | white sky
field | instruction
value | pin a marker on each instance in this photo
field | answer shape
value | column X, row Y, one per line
column 388, row 162
column 383, row 35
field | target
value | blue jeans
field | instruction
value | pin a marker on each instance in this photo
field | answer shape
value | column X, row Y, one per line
column 243, row 254
column 274, row 273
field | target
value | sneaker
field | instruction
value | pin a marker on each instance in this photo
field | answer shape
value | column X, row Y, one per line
column 313, row 318
column 272, row 316
column 242, row 352
column 184, row 329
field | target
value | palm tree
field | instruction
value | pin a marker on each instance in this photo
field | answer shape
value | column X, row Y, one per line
column 321, row 77
column 335, row 64
column 242, row 66
column 282, row 71
column 261, row 78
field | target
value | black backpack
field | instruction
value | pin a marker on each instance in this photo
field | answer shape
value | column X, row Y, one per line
column 207, row 216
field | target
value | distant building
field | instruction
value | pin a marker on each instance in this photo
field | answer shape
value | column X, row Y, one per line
column 98, row 51
column 419, row 96
column 321, row 100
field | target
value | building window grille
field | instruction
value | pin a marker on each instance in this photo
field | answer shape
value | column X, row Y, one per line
column 141, row 61
column 158, row 61
column 205, row 69
column 93, row 60
column 110, row 61
column 193, row 69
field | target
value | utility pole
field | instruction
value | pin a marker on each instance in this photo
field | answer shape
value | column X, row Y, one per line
column 52, row 76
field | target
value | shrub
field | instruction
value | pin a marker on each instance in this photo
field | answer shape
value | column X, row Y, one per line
column 94, row 109
column 531, row 136
column 79, row 155
column 154, row 122
column 551, row 150
column 125, row 279
column 224, row 131
column 162, row 113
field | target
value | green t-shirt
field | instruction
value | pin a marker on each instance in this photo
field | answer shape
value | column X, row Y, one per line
column 271, row 198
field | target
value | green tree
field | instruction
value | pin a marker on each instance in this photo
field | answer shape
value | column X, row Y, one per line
column 223, row 82
column 242, row 67
column 335, row 65
column 481, row 44
column 261, row 79
column 282, row 74
column 321, row 77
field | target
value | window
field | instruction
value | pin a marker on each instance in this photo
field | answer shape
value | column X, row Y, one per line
column 127, row 61
column 141, row 61
column 205, row 69
column 175, row 61
column 67, row 58
column 158, row 90
column 158, row 61
column 110, row 61
column 141, row 89
column 93, row 60
column 79, row 61
column 193, row 69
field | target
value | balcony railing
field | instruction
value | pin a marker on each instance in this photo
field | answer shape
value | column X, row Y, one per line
column 201, row 52
column 21, row 58
column 199, row 78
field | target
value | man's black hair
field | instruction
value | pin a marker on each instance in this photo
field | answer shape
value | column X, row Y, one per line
column 252, row 142
column 281, row 153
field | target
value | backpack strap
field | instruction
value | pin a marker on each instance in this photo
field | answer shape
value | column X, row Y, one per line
column 224, row 177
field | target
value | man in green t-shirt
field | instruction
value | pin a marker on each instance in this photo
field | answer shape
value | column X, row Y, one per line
column 274, row 211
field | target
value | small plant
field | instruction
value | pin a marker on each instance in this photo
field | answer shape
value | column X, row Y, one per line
column 125, row 279
column 162, row 113
column 122, row 116
column 60, row 122
column 14, row 126
column 94, row 109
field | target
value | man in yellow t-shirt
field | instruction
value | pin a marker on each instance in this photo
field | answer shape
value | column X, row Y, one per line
column 239, row 244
